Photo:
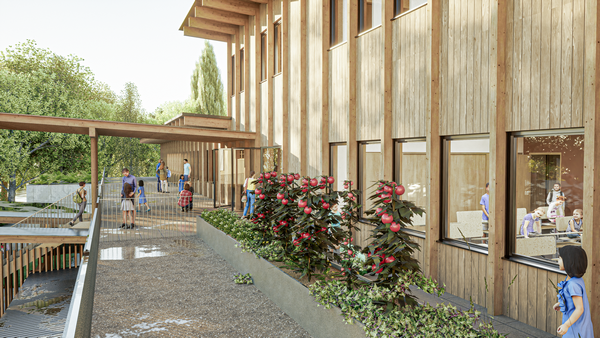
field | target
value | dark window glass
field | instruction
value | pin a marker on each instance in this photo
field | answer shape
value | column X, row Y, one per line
column 233, row 75
column 242, row 69
column 263, row 57
column 277, row 45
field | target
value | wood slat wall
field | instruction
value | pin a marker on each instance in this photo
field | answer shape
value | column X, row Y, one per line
column 545, row 64
column 294, row 89
column 410, row 87
column 361, row 237
column 264, row 113
column 419, row 254
column 369, row 111
column 338, row 94
column 314, row 87
column 464, row 273
column 466, row 89
column 277, row 110
column 530, row 297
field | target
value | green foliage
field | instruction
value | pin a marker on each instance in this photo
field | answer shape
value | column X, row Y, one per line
column 62, row 178
column 369, row 305
column 242, row 279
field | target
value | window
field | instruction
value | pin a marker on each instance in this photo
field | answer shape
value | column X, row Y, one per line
column 408, row 170
column 466, row 174
column 370, row 170
column 338, row 164
column 338, row 21
column 545, row 168
column 242, row 70
column 277, row 44
column 233, row 75
column 369, row 14
column 263, row 56
column 401, row 6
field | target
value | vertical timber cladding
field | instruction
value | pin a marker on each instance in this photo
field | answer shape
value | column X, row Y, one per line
column 411, row 59
column 464, row 273
column 546, row 64
column 466, row 89
column 295, row 130
column 338, row 94
column 314, row 104
column 369, row 91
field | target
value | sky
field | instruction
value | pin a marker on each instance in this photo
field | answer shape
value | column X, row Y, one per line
column 120, row 41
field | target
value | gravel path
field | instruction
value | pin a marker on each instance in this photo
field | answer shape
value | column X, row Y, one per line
column 188, row 292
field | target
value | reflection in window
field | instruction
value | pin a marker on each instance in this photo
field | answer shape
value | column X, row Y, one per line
column 410, row 158
column 369, row 14
column 466, row 195
column 546, row 170
column 339, row 165
column 370, row 170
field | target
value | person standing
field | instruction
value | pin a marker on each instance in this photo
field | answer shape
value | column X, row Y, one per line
column 249, row 187
column 81, row 200
column 162, row 173
column 168, row 176
column 131, row 180
column 127, row 206
column 158, row 187
column 142, row 196
column 485, row 207
column 552, row 195
column 187, row 169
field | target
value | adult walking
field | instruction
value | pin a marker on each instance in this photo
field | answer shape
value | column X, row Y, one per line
column 162, row 173
column 131, row 180
column 249, row 187
column 158, row 187
column 81, row 201
column 187, row 169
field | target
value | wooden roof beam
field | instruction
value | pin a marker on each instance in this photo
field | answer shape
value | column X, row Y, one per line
column 220, row 16
column 259, row 1
column 204, row 34
column 233, row 6
column 214, row 26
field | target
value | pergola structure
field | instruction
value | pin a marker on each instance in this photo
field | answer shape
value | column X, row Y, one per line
column 148, row 133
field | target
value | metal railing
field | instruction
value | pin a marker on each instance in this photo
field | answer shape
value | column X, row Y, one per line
column 55, row 215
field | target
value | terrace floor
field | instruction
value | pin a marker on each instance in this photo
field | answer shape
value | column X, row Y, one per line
column 179, row 287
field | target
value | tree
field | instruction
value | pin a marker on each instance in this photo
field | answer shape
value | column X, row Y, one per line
column 206, row 84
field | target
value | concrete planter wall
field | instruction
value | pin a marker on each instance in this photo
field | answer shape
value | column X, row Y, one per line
column 289, row 294
column 51, row 193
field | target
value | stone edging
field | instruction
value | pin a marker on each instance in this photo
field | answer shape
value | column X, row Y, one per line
column 289, row 294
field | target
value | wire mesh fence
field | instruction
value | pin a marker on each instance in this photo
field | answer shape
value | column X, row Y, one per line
column 57, row 214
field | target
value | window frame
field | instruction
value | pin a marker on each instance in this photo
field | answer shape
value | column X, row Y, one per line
column 277, row 50
column 444, row 212
column 242, row 69
column 511, row 210
column 233, row 89
column 331, row 159
column 359, row 183
column 397, row 175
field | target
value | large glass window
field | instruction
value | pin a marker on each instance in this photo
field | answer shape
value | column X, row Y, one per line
column 545, row 170
column 233, row 75
column 263, row 56
column 410, row 157
column 338, row 21
column 466, row 192
column 242, row 70
column 277, row 45
column 369, row 14
column 338, row 165
column 401, row 6
column 370, row 170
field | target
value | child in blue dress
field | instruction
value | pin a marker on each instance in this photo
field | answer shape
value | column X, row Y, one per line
column 142, row 196
column 572, row 299
column 181, row 183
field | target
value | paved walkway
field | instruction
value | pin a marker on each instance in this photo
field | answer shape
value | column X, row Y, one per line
column 179, row 288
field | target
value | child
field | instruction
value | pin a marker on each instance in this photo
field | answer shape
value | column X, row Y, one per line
column 127, row 206
column 185, row 197
column 181, row 183
column 529, row 220
column 142, row 196
column 572, row 299
column 576, row 223
column 556, row 209
column 191, row 196
column 552, row 195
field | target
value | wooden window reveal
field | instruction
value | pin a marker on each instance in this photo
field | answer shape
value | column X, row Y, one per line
column 263, row 56
column 233, row 75
column 277, row 36
column 242, row 70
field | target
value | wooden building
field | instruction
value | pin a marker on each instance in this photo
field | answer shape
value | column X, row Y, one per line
column 442, row 96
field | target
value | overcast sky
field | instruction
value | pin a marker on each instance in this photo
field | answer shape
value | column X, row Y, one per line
column 121, row 41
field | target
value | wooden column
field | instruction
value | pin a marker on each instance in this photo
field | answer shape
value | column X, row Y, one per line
column 229, row 76
column 238, row 43
column 303, row 89
column 270, row 71
column 94, row 155
column 498, row 158
column 285, row 66
column 352, row 59
column 326, row 29
column 591, row 167
column 387, row 143
column 257, row 79
column 247, row 91
column 430, row 266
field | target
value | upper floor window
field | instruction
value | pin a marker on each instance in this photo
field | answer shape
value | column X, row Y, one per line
column 263, row 56
column 369, row 14
column 242, row 70
column 338, row 21
column 401, row 6
column 338, row 164
column 277, row 45
column 233, row 75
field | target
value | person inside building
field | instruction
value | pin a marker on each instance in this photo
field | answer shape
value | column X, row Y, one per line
column 531, row 219
column 556, row 209
column 552, row 195
column 485, row 207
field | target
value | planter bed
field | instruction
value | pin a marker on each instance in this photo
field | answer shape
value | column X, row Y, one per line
column 288, row 293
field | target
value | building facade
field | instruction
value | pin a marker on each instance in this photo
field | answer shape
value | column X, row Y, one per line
column 443, row 96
